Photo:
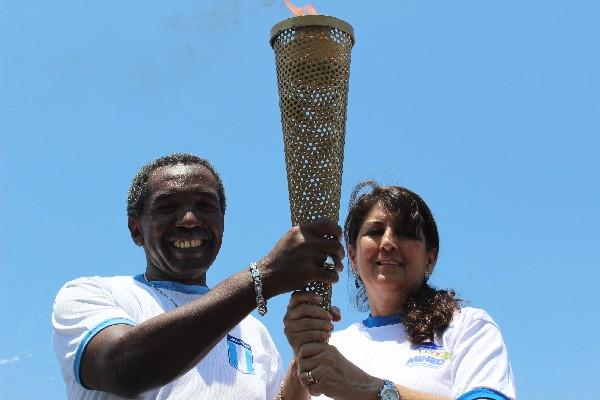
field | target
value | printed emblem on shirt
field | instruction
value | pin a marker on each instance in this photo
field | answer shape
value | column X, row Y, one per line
column 240, row 355
column 428, row 355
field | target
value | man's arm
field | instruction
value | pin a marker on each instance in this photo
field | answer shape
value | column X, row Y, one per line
column 127, row 360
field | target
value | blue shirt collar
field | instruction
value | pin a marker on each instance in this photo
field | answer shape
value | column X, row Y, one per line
column 174, row 286
column 373, row 322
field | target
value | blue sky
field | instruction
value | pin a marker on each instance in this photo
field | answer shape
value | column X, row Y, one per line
column 488, row 109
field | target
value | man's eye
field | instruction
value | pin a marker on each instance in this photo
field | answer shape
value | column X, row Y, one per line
column 210, row 207
column 165, row 208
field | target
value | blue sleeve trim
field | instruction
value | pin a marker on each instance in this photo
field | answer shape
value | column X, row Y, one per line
column 174, row 286
column 483, row 393
column 88, row 337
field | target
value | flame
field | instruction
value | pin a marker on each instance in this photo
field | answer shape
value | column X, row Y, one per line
column 308, row 9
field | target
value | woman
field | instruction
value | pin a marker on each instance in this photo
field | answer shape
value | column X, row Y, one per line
column 418, row 342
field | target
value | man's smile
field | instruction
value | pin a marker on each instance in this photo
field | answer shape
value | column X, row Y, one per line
column 187, row 244
column 190, row 239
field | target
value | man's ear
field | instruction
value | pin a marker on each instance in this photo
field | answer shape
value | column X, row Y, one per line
column 135, row 229
column 432, row 255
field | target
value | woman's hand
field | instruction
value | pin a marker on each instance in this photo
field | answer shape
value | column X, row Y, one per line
column 324, row 370
column 306, row 322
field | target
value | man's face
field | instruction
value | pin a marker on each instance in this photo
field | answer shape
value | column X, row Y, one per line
column 181, row 227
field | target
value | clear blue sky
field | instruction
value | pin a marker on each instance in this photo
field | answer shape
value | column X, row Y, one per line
column 489, row 109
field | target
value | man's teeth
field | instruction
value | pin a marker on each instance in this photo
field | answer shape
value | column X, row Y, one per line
column 186, row 244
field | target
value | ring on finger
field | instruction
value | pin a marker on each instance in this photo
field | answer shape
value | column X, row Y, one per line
column 309, row 378
column 328, row 264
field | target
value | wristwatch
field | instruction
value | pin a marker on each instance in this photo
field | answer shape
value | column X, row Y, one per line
column 388, row 391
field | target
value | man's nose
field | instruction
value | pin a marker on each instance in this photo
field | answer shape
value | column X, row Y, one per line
column 189, row 220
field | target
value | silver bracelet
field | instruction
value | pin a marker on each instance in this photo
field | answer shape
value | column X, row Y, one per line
column 260, row 299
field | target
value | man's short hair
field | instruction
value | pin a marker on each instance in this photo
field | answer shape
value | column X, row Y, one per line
column 139, row 185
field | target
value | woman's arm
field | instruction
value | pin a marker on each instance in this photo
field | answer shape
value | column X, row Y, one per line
column 304, row 322
column 292, row 388
column 307, row 328
column 338, row 378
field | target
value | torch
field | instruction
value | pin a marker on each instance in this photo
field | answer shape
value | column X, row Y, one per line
column 312, row 55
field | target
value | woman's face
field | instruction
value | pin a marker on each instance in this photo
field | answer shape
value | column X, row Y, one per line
column 391, row 264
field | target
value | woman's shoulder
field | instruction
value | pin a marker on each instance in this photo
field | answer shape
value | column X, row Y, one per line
column 466, row 315
column 471, row 321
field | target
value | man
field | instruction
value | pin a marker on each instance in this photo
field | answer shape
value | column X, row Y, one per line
column 163, row 334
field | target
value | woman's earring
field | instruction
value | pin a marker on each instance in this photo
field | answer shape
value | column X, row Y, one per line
column 356, row 278
column 427, row 275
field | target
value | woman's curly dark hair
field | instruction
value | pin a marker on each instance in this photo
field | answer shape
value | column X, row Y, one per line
column 429, row 310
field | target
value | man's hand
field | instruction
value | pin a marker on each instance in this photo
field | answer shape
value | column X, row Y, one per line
column 299, row 256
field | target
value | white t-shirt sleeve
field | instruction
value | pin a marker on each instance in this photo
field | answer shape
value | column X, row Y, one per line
column 82, row 308
column 480, row 359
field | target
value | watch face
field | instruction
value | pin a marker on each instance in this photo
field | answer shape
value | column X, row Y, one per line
column 389, row 392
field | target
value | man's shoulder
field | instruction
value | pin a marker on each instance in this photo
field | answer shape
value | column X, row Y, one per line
column 94, row 284
column 98, row 281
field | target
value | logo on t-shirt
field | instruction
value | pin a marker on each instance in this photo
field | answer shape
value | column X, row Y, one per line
column 428, row 355
column 240, row 355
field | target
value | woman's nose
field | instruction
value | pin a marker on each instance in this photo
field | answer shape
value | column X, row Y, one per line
column 388, row 240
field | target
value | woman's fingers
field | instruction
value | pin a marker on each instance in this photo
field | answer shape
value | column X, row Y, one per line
column 302, row 316
column 304, row 337
column 310, row 350
column 305, row 321
column 300, row 298
column 336, row 315
column 311, row 369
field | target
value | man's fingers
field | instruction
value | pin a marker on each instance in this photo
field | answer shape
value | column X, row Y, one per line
column 338, row 265
column 322, row 227
column 325, row 276
column 330, row 247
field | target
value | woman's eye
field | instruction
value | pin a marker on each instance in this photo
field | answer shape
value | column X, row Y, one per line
column 404, row 232
column 374, row 232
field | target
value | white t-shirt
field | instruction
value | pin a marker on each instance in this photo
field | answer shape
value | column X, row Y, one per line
column 243, row 365
column 468, row 359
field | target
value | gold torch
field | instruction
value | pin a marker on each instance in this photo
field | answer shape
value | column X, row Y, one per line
column 312, row 54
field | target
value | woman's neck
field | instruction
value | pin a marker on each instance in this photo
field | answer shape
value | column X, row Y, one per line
column 383, row 304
